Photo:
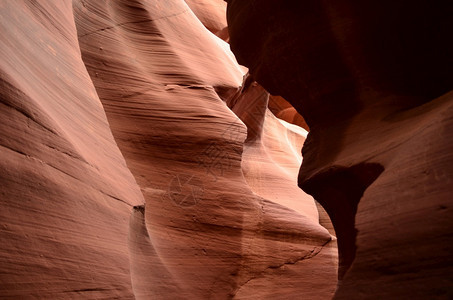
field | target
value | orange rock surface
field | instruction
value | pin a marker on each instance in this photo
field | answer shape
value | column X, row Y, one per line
column 66, row 192
column 137, row 162
column 212, row 13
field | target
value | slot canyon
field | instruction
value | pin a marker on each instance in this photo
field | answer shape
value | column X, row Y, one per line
column 237, row 149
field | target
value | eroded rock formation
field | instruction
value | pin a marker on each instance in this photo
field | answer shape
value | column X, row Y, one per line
column 66, row 192
column 137, row 162
column 372, row 80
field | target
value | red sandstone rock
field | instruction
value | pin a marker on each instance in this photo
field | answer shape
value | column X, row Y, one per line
column 212, row 13
column 66, row 193
column 270, row 161
column 223, row 216
column 202, row 222
column 369, row 78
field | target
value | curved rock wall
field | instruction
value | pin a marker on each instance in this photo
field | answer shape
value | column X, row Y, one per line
column 372, row 82
column 66, row 192
column 184, row 146
column 138, row 164
column 212, row 13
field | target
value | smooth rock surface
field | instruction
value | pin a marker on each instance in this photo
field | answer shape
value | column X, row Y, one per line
column 376, row 96
column 207, row 227
column 212, row 13
column 271, row 153
column 136, row 163
column 66, row 192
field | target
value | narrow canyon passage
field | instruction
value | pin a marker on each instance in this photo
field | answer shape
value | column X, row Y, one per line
column 236, row 168
column 142, row 158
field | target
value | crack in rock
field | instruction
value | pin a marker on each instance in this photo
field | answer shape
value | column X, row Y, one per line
column 310, row 255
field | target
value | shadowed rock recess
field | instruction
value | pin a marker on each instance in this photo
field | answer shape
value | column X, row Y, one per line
column 140, row 160
column 373, row 80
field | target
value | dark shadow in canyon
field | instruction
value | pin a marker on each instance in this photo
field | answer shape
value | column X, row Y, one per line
column 339, row 191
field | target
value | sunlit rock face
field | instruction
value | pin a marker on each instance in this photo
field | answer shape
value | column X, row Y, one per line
column 212, row 13
column 373, row 82
column 140, row 162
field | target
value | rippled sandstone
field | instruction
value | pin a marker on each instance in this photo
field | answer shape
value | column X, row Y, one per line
column 138, row 162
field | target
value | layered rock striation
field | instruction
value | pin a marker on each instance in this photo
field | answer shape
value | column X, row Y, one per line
column 139, row 163
column 66, row 192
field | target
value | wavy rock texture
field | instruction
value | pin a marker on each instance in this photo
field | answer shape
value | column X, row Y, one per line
column 66, row 192
column 137, row 162
column 179, row 138
column 271, row 153
column 377, row 97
